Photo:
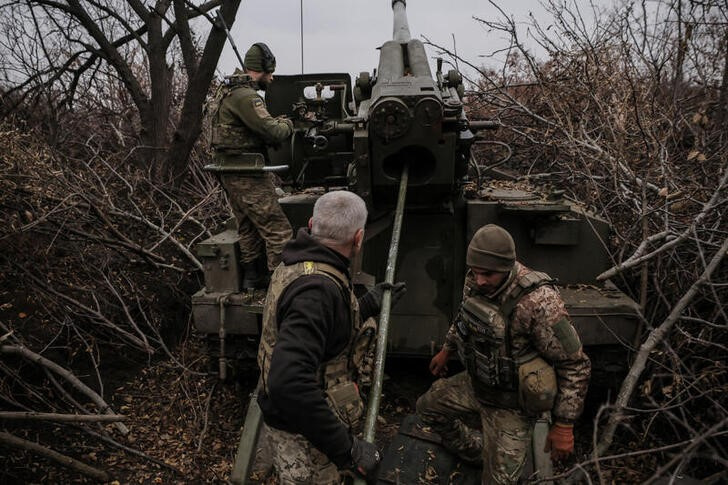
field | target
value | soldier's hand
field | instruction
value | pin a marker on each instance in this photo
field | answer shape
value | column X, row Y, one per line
column 377, row 293
column 560, row 441
column 286, row 120
column 398, row 291
column 365, row 457
column 438, row 364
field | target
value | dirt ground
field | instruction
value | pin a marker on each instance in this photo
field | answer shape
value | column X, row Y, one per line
column 184, row 425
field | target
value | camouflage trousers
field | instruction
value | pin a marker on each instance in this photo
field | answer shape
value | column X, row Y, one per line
column 262, row 226
column 263, row 460
column 500, row 437
column 297, row 462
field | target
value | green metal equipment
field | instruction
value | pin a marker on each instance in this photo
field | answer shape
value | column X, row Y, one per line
column 402, row 130
column 383, row 330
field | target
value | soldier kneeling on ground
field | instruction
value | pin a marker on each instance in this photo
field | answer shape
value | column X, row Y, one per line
column 522, row 357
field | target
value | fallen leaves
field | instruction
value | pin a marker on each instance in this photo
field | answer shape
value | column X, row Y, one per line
column 697, row 155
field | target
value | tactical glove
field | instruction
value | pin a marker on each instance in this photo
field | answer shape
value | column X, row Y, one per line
column 365, row 457
column 376, row 294
column 560, row 441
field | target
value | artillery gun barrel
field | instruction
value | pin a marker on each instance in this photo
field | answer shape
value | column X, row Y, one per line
column 402, row 55
column 401, row 27
column 381, row 351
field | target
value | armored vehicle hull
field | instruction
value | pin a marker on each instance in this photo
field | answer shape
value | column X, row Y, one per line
column 559, row 238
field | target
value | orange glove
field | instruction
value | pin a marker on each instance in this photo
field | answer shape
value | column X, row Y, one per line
column 560, row 441
column 438, row 364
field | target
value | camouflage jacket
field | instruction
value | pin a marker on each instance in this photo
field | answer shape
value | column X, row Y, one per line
column 540, row 323
column 241, row 122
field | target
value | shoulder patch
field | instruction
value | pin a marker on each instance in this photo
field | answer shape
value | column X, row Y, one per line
column 259, row 108
column 534, row 278
column 308, row 267
column 567, row 336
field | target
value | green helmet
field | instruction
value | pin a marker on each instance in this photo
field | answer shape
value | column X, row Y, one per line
column 491, row 248
column 260, row 58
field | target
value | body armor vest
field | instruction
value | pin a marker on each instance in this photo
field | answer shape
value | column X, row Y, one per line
column 485, row 329
column 230, row 135
column 337, row 376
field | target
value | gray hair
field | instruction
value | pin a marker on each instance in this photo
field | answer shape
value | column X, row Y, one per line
column 337, row 216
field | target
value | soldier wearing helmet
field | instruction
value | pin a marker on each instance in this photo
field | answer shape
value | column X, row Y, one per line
column 522, row 357
column 242, row 129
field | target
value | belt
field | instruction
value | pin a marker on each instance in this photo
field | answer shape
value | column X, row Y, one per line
column 499, row 399
column 492, row 396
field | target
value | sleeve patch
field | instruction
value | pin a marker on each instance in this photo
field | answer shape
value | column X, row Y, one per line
column 567, row 336
column 259, row 108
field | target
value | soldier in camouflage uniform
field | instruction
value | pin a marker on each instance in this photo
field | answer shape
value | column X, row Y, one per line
column 242, row 128
column 522, row 357
column 314, row 334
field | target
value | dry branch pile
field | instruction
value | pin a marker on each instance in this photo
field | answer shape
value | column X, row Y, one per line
column 96, row 271
column 628, row 117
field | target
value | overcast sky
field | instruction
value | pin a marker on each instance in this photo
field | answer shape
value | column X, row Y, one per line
column 343, row 35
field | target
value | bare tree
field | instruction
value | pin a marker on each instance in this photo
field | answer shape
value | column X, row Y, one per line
column 113, row 53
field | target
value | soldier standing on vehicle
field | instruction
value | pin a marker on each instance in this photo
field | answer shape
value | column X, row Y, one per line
column 242, row 129
column 314, row 334
column 522, row 357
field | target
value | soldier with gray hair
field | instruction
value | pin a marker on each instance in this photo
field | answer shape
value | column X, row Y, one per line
column 522, row 357
column 314, row 331
column 337, row 217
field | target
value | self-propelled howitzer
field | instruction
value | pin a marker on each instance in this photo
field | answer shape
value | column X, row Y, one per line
column 360, row 138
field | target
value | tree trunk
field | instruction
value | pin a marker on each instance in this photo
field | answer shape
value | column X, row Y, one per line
column 161, row 86
column 190, row 122
column 723, row 97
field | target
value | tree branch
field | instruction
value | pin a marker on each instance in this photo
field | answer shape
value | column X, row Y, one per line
column 111, row 54
column 67, row 375
column 10, row 440
column 36, row 416
column 636, row 260
column 655, row 337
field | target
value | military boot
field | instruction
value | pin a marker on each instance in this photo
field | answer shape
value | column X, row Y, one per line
column 264, row 272
column 251, row 275
column 254, row 276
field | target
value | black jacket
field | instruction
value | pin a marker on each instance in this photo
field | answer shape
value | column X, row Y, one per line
column 313, row 327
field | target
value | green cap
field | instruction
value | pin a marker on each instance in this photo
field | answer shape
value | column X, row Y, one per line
column 491, row 248
column 260, row 58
